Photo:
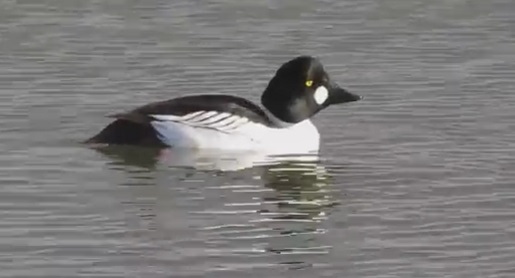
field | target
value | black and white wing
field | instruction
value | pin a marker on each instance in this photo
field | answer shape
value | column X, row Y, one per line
column 221, row 121
column 221, row 112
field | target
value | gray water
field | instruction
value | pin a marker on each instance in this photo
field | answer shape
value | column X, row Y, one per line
column 416, row 180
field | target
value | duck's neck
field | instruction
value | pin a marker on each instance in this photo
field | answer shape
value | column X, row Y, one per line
column 276, row 121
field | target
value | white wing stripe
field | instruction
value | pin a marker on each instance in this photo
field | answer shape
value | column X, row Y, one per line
column 227, row 124
column 204, row 116
column 237, row 123
column 192, row 115
column 241, row 121
column 215, row 118
column 221, row 121
column 166, row 117
column 226, row 121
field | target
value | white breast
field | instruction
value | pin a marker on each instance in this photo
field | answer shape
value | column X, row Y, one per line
column 224, row 131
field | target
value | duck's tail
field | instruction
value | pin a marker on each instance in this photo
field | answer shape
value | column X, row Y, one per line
column 124, row 132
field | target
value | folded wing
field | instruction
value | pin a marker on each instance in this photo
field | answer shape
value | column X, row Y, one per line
column 223, row 113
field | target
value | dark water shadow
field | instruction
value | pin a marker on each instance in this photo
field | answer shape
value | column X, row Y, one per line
column 146, row 158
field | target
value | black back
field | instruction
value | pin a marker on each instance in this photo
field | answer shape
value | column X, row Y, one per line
column 134, row 127
column 189, row 104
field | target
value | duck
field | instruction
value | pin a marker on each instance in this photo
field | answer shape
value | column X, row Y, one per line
column 282, row 124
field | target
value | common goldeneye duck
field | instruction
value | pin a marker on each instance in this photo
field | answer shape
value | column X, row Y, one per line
column 299, row 90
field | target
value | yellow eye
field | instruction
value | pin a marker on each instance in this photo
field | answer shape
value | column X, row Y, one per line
column 309, row 83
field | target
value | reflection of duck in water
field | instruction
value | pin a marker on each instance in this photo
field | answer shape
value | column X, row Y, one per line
column 121, row 155
column 300, row 201
column 298, row 187
column 206, row 160
column 285, row 220
column 299, row 182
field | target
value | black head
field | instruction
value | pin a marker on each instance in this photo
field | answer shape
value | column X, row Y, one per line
column 301, row 88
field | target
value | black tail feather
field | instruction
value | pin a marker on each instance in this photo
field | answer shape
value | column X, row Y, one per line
column 124, row 132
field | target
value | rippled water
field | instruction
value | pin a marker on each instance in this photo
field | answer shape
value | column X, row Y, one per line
column 417, row 180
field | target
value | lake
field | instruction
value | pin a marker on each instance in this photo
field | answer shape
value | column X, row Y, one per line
column 416, row 180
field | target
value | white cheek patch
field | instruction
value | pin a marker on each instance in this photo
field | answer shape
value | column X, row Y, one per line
column 321, row 95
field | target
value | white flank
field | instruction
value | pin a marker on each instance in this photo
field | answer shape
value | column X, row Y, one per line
column 223, row 131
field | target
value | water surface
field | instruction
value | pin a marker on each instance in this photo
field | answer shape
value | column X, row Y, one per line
column 414, row 181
